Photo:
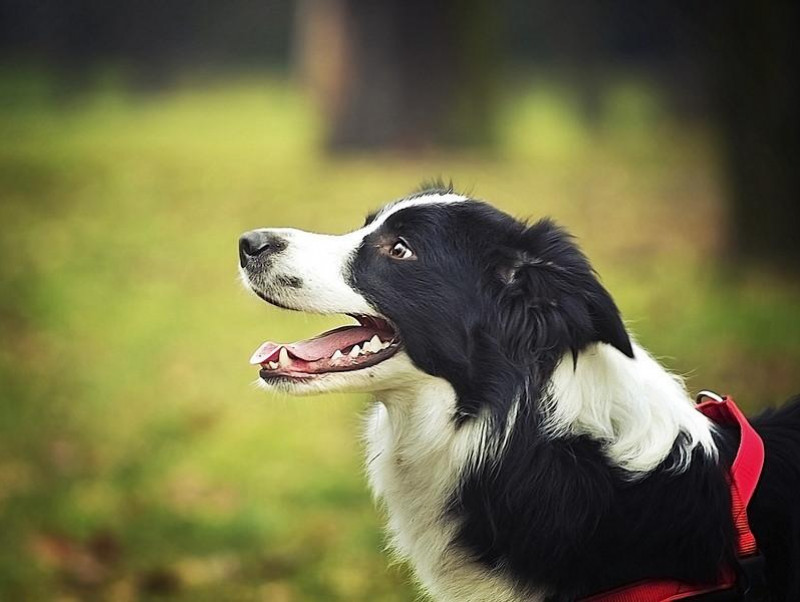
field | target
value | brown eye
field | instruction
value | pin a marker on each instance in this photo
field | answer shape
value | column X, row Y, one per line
column 401, row 250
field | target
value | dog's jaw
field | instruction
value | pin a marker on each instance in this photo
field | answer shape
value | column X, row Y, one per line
column 396, row 372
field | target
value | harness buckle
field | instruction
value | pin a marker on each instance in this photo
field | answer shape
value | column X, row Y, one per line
column 705, row 393
column 752, row 582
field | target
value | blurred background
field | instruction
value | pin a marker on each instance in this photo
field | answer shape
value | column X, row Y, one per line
column 137, row 460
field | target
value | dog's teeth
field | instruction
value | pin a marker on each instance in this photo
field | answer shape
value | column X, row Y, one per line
column 374, row 344
column 272, row 365
column 385, row 344
column 355, row 351
column 283, row 358
column 336, row 355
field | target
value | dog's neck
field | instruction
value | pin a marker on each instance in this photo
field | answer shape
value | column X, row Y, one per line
column 415, row 458
column 414, row 424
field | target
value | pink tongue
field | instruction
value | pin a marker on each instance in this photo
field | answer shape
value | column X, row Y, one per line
column 317, row 348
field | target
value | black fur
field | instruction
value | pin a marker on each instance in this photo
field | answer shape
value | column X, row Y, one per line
column 491, row 305
column 775, row 510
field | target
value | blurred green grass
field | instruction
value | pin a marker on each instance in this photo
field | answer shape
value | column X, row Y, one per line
column 137, row 460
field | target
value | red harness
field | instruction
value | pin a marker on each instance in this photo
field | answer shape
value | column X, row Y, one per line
column 743, row 478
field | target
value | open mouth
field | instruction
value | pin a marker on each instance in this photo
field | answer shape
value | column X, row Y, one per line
column 342, row 349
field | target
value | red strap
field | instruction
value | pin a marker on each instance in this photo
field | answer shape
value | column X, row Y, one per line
column 746, row 468
column 664, row 590
column 744, row 474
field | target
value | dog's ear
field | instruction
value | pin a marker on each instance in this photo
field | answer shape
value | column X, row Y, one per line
column 606, row 320
column 544, row 270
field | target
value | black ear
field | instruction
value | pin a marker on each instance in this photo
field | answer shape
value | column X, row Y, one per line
column 546, row 268
column 607, row 323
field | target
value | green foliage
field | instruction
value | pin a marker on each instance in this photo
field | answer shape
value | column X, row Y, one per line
column 137, row 461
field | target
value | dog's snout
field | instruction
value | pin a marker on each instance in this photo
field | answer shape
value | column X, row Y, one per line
column 258, row 242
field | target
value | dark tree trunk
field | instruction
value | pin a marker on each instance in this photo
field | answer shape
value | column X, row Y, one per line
column 757, row 71
column 403, row 74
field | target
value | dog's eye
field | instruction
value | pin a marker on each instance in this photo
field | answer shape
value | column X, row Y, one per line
column 401, row 250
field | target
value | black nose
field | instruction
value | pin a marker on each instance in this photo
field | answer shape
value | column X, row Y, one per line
column 257, row 242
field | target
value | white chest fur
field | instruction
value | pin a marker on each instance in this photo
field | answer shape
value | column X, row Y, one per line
column 415, row 457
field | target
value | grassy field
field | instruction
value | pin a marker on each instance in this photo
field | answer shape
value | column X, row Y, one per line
column 137, row 459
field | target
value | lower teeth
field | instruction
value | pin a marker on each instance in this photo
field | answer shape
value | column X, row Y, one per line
column 355, row 352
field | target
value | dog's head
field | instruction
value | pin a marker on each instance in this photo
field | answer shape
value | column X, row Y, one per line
column 439, row 284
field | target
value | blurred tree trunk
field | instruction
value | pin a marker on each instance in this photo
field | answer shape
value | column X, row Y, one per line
column 756, row 63
column 401, row 74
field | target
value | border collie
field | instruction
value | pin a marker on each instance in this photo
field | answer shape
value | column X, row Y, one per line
column 525, row 447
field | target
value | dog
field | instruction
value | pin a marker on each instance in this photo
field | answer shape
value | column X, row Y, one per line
column 526, row 448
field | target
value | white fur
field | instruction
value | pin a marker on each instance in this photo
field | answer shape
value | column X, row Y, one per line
column 635, row 407
column 321, row 261
column 415, row 460
column 428, row 199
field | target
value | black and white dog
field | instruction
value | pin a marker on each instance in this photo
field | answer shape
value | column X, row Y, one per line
column 524, row 446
